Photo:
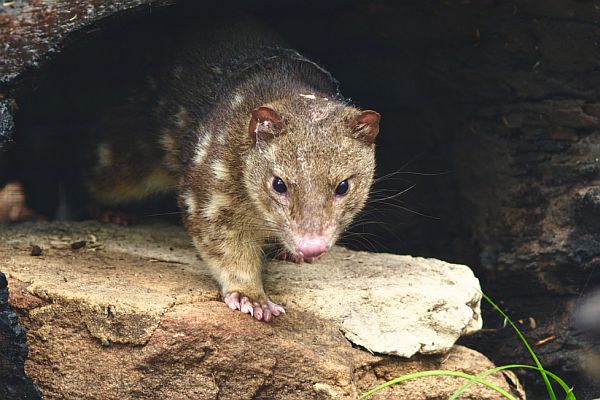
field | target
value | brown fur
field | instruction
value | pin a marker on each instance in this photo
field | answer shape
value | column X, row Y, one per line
column 313, row 156
column 225, row 154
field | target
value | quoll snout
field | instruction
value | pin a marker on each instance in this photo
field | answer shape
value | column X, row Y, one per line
column 309, row 246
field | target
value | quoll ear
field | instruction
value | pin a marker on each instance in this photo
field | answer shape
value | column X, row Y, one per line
column 366, row 126
column 265, row 124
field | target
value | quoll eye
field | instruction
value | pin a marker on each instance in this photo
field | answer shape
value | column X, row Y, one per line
column 342, row 188
column 279, row 185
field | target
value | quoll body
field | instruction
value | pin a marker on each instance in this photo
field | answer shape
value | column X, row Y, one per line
column 259, row 145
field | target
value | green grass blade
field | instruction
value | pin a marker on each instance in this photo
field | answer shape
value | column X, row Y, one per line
column 568, row 390
column 436, row 373
column 535, row 359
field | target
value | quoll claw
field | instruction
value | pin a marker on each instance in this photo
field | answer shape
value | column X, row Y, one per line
column 232, row 300
column 275, row 309
column 259, row 310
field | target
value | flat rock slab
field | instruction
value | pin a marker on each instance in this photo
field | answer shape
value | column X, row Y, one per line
column 126, row 313
column 122, row 280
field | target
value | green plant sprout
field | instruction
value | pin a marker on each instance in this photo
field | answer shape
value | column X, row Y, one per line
column 566, row 388
column 472, row 379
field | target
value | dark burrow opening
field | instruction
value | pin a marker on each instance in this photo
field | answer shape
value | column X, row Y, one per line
column 483, row 142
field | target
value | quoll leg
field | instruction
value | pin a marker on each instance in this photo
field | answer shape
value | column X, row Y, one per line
column 236, row 265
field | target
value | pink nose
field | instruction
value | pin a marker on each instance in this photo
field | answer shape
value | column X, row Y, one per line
column 311, row 246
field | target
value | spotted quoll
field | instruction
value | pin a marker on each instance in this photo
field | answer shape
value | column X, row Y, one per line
column 259, row 145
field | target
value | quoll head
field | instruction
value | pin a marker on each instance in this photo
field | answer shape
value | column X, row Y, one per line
column 310, row 170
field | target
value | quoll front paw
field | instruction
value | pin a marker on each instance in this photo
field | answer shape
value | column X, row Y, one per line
column 262, row 310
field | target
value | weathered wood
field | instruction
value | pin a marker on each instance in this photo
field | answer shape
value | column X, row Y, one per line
column 34, row 32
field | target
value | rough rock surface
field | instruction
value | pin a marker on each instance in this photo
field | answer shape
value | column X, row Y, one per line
column 527, row 158
column 386, row 303
column 131, row 314
column 13, row 352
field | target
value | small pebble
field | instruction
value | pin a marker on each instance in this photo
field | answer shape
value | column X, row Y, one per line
column 36, row 250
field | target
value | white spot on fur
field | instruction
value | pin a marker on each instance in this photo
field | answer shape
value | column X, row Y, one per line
column 308, row 96
column 220, row 170
column 202, row 148
column 217, row 202
column 104, row 155
column 237, row 100
column 190, row 202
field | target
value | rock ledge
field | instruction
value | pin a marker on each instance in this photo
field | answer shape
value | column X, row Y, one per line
column 132, row 314
column 125, row 279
